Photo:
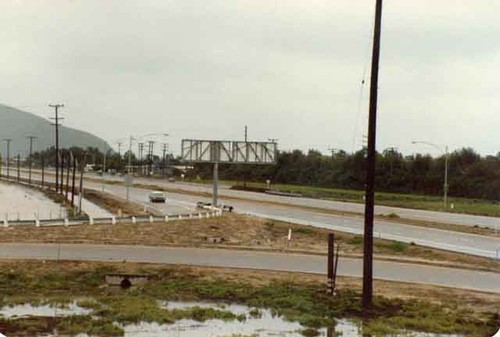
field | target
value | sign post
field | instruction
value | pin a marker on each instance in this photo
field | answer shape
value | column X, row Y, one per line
column 128, row 181
column 227, row 152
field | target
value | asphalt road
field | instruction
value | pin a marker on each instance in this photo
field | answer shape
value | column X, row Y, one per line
column 448, row 240
column 451, row 218
column 448, row 277
column 181, row 203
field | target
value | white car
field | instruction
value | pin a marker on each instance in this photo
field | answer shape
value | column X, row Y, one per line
column 157, row 196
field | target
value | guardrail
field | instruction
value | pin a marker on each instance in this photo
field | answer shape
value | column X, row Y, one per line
column 113, row 220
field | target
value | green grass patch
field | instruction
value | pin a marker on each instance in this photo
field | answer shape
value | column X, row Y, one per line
column 416, row 201
column 306, row 303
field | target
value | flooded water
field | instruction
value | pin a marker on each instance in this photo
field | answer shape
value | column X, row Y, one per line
column 46, row 310
column 21, row 203
column 258, row 323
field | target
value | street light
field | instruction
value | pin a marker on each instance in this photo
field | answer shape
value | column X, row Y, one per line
column 132, row 138
column 446, row 155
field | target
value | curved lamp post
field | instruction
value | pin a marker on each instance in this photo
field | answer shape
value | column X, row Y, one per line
column 446, row 155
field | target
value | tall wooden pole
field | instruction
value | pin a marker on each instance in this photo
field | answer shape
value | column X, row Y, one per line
column 370, row 171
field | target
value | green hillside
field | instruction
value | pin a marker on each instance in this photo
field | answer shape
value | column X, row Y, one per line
column 17, row 125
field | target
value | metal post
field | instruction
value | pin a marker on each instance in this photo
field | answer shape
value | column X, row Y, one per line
column 164, row 158
column 80, row 196
column 330, row 267
column 8, row 140
column 18, row 167
column 68, row 164
column 31, row 138
column 73, row 181
column 215, row 182
column 56, row 108
column 104, row 161
column 43, row 171
column 61, row 185
column 370, row 171
column 130, row 155
column 445, row 199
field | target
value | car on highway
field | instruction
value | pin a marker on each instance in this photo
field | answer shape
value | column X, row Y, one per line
column 157, row 196
column 203, row 204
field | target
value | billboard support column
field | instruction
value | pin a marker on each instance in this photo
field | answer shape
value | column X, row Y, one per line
column 216, row 149
column 215, row 184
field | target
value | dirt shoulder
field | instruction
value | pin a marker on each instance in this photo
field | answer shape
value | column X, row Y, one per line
column 233, row 231
column 393, row 217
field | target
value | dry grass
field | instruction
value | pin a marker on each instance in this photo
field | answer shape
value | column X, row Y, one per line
column 114, row 204
column 238, row 232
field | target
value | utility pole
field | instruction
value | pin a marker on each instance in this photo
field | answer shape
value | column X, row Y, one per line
column 370, row 171
column 31, row 138
column 43, row 171
column 104, row 160
column 141, row 149
column 120, row 149
column 246, row 150
column 151, row 144
column 18, row 167
column 164, row 158
column 61, row 186
column 73, row 180
column 68, row 168
column 8, row 140
column 130, row 157
column 56, row 124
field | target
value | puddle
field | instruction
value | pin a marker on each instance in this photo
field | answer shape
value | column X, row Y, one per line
column 265, row 324
column 46, row 310
column 258, row 323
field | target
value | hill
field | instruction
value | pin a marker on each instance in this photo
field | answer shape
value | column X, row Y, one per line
column 17, row 125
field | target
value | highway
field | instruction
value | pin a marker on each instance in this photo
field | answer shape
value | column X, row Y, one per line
column 394, row 271
column 287, row 211
column 405, row 213
column 448, row 240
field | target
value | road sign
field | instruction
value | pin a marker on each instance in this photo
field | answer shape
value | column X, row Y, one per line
column 128, row 180
column 229, row 152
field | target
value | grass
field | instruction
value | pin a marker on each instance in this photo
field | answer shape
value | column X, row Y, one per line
column 299, row 300
column 238, row 232
column 416, row 201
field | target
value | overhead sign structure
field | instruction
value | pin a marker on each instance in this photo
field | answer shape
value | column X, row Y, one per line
column 229, row 152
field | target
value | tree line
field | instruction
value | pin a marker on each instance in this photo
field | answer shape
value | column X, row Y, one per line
column 469, row 174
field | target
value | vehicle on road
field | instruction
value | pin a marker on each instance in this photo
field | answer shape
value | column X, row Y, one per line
column 203, row 204
column 157, row 196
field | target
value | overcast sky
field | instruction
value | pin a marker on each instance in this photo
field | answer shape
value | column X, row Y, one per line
column 289, row 69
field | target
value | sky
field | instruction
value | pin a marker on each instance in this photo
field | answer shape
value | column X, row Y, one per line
column 291, row 70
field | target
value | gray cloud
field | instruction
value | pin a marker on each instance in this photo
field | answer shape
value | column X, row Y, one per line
column 290, row 70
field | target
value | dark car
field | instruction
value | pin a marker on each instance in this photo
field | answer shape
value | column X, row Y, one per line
column 203, row 204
